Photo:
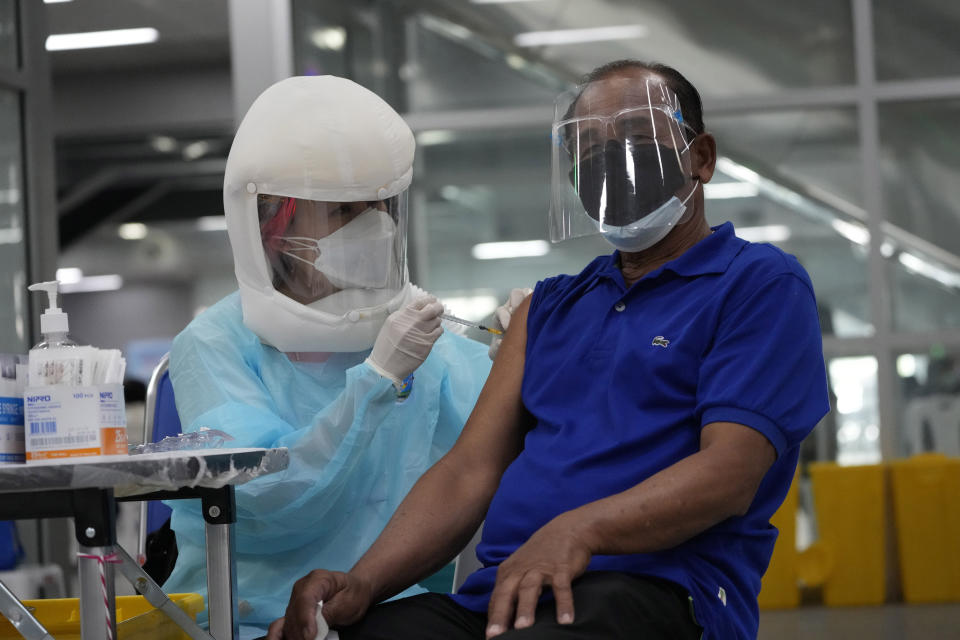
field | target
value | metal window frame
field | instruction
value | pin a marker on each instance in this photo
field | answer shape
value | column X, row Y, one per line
column 31, row 81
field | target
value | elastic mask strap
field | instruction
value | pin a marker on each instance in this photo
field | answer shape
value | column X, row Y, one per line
column 312, row 263
column 300, row 243
column 306, row 244
column 696, row 183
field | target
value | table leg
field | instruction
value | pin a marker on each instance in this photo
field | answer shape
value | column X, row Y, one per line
column 95, row 525
column 222, row 582
column 219, row 513
column 98, row 610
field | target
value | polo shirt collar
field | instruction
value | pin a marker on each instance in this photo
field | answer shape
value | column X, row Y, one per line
column 713, row 254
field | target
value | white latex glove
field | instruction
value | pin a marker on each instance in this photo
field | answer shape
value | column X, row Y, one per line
column 501, row 317
column 405, row 339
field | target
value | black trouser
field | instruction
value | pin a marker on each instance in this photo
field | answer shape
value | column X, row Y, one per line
column 608, row 605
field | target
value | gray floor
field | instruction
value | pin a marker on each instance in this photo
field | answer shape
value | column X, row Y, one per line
column 889, row 622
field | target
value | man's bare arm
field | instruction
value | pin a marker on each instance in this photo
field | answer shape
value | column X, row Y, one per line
column 683, row 500
column 447, row 505
column 440, row 513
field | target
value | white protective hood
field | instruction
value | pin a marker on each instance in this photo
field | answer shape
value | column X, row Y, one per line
column 318, row 138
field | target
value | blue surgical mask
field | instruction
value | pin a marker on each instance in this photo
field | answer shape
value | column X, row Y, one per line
column 645, row 232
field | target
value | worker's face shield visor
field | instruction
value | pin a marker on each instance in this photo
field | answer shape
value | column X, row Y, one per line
column 620, row 154
column 317, row 248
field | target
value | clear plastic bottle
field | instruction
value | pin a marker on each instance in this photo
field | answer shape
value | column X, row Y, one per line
column 53, row 321
column 56, row 359
column 54, row 341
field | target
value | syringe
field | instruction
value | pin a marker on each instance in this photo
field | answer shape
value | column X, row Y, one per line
column 475, row 325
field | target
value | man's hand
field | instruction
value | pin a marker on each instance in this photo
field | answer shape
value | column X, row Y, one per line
column 345, row 599
column 554, row 556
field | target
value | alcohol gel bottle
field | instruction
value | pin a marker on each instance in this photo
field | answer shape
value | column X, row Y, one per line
column 57, row 360
column 53, row 321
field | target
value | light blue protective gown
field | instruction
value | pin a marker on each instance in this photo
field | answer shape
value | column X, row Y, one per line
column 355, row 450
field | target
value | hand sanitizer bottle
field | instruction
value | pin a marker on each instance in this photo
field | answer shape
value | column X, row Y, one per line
column 57, row 360
column 53, row 321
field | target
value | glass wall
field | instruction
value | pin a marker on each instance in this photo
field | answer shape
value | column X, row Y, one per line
column 853, row 176
column 438, row 53
column 916, row 39
column 14, row 332
column 13, row 259
column 806, row 199
column 920, row 161
column 929, row 400
column 853, row 391
column 9, row 35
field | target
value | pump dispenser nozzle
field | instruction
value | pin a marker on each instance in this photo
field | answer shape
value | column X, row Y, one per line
column 53, row 319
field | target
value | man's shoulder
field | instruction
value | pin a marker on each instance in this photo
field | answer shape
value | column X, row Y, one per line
column 563, row 281
column 759, row 262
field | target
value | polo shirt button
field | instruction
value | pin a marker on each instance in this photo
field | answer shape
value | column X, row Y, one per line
column 620, row 306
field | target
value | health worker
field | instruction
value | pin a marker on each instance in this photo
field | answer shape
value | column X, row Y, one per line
column 327, row 348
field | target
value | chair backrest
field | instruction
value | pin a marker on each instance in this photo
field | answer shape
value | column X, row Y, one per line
column 166, row 420
column 160, row 419
column 11, row 552
column 467, row 561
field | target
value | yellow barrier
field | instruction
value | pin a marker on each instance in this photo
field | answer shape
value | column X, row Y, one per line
column 136, row 618
column 849, row 560
column 926, row 490
column 779, row 589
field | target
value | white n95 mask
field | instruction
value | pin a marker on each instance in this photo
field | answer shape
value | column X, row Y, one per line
column 358, row 255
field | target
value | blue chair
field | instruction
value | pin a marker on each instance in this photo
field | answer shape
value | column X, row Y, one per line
column 11, row 552
column 160, row 419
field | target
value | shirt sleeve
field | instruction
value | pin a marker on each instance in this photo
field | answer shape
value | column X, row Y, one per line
column 764, row 368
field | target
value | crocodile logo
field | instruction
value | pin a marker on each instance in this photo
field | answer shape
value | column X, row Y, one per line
column 660, row 341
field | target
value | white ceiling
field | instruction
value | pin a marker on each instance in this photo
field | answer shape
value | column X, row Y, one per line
column 192, row 33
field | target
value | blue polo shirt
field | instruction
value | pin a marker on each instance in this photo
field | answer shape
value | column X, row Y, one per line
column 620, row 382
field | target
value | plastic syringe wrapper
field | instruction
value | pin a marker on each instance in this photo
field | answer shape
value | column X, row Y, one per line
column 74, row 405
column 13, row 379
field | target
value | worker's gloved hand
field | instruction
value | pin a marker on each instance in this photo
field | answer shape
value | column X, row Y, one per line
column 501, row 317
column 406, row 338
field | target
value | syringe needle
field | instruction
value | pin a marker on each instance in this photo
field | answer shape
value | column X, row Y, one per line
column 475, row 325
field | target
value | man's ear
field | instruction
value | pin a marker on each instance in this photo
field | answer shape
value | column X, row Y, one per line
column 703, row 157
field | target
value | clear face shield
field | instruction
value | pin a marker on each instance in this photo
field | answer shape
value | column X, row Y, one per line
column 335, row 256
column 620, row 163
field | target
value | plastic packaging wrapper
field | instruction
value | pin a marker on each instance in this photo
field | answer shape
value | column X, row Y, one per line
column 204, row 438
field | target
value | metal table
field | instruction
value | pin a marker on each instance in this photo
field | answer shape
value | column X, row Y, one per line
column 87, row 490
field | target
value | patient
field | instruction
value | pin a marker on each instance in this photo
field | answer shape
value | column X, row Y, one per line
column 641, row 423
